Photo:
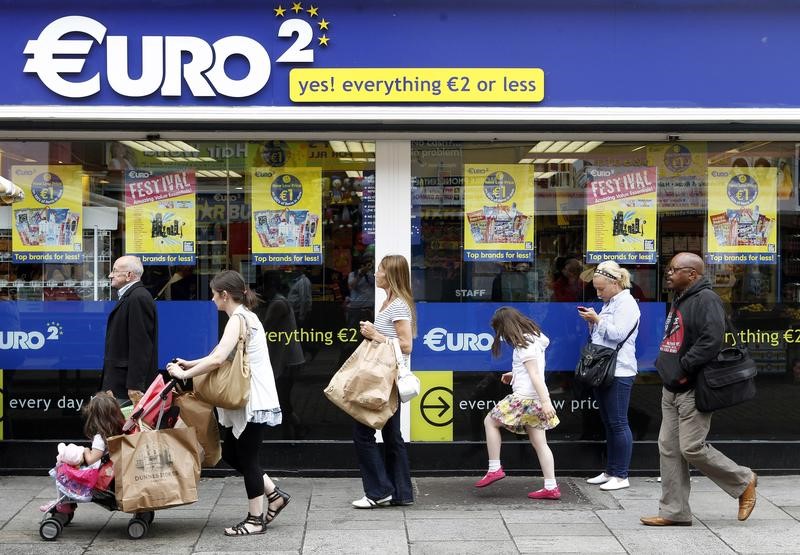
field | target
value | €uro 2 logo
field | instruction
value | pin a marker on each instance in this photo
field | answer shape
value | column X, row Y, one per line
column 678, row 158
column 499, row 186
column 439, row 339
column 13, row 340
column 286, row 190
column 742, row 189
column 169, row 62
column 47, row 188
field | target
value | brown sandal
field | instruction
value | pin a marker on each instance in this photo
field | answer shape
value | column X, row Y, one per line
column 242, row 530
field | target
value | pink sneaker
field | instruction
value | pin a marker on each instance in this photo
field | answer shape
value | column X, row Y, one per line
column 490, row 478
column 554, row 493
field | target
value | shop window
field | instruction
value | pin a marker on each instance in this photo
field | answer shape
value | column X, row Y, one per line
column 295, row 218
column 733, row 203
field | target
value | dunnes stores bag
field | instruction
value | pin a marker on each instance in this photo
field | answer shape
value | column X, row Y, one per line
column 227, row 387
column 726, row 381
column 155, row 469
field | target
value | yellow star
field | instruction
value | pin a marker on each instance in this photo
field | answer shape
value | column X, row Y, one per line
column 297, row 7
column 323, row 40
column 323, row 24
column 279, row 11
column 312, row 11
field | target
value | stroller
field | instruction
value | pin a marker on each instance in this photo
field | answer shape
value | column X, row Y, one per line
column 96, row 485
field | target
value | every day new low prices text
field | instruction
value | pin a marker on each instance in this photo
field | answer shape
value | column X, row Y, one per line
column 378, row 85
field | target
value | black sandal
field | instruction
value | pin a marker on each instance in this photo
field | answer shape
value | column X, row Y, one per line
column 276, row 494
column 241, row 528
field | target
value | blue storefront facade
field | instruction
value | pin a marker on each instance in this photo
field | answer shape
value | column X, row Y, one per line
column 312, row 138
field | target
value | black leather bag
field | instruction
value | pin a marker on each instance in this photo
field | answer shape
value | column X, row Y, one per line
column 727, row 381
column 597, row 364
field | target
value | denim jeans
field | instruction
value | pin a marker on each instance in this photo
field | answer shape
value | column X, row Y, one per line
column 613, row 402
column 384, row 471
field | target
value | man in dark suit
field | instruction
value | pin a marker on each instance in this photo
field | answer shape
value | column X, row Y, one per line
column 130, row 362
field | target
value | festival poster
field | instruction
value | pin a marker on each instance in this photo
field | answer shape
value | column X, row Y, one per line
column 742, row 216
column 498, row 213
column 621, row 210
column 681, row 175
column 287, row 208
column 48, row 223
column 160, row 216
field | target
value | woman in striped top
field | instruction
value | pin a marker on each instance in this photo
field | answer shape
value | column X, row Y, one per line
column 387, row 479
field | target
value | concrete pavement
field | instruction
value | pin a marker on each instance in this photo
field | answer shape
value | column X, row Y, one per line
column 450, row 516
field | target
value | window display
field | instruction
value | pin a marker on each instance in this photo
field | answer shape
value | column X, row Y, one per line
column 189, row 209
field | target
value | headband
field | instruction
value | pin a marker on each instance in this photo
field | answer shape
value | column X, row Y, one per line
column 607, row 274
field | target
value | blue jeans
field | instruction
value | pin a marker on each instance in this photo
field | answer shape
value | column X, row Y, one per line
column 384, row 472
column 613, row 402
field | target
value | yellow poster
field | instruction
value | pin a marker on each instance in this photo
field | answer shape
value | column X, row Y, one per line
column 432, row 410
column 742, row 216
column 48, row 226
column 287, row 208
column 160, row 216
column 498, row 212
column 681, row 175
column 621, row 215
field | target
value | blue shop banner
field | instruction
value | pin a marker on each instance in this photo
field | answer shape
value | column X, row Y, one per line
column 441, row 52
column 70, row 335
column 457, row 336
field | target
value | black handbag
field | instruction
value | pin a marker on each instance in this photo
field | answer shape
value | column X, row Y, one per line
column 726, row 381
column 597, row 363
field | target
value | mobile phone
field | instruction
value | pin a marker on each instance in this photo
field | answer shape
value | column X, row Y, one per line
column 583, row 308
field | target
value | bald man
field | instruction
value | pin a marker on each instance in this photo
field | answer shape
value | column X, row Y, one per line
column 130, row 362
column 693, row 336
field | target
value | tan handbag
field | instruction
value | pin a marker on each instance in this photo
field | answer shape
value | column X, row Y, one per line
column 228, row 387
column 364, row 387
column 155, row 469
column 200, row 416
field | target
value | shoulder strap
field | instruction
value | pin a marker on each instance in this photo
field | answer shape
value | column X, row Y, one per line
column 621, row 343
column 242, row 328
column 398, row 354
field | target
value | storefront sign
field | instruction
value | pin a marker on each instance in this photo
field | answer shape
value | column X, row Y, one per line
column 47, row 226
column 273, row 54
column 457, row 335
column 160, row 216
column 287, row 205
column 681, row 175
column 70, row 335
column 498, row 213
column 621, row 215
column 742, row 216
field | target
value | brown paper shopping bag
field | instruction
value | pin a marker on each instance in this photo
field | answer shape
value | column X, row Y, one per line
column 364, row 387
column 199, row 415
column 155, row 469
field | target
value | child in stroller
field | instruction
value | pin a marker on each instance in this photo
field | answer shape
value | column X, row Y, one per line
column 80, row 472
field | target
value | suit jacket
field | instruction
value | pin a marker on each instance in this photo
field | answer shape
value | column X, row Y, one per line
column 131, row 353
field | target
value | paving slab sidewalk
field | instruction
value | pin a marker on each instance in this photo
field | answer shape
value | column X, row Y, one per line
column 449, row 516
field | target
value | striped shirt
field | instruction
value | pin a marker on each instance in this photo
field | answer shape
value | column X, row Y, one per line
column 385, row 319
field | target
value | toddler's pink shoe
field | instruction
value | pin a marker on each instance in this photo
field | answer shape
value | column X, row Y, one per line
column 543, row 493
column 490, row 478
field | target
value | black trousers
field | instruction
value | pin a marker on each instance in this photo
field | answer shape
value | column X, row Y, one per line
column 242, row 455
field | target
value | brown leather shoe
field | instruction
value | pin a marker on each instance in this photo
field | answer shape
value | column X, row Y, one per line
column 658, row 521
column 747, row 501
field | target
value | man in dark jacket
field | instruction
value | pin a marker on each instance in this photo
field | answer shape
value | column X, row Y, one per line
column 693, row 336
column 130, row 361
